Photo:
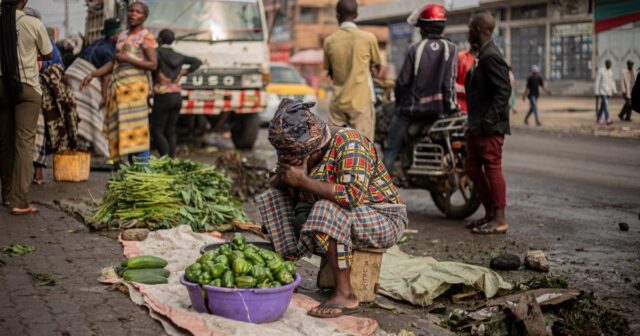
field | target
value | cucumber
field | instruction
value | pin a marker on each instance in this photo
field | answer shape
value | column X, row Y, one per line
column 149, row 276
column 144, row 262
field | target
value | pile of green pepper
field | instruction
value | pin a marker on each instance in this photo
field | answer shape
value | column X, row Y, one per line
column 241, row 265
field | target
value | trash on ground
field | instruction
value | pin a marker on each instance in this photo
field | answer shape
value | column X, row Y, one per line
column 404, row 239
column 135, row 234
column 250, row 176
column 537, row 261
column 419, row 280
column 18, row 249
column 623, row 226
column 43, row 279
column 506, row 262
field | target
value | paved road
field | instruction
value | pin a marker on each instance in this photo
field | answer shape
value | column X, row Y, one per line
column 566, row 195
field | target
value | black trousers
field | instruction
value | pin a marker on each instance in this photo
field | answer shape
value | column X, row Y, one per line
column 625, row 113
column 164, row 117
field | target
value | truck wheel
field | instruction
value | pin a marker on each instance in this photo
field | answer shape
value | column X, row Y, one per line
column 244, row 132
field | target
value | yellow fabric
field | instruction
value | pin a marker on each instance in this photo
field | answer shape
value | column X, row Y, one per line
column 348, row 55
column 33, row 41
column 127, row 119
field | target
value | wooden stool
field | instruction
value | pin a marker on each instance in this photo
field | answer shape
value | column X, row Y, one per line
column 365, row 272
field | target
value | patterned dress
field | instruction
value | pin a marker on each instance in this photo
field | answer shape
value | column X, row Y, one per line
column 368, row 211
column 127, row 110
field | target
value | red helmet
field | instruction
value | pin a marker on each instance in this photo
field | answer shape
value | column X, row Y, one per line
column 433, row 12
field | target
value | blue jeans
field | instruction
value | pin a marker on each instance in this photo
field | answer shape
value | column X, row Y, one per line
column 533, row 101
column 603, row 110
column 142, row 157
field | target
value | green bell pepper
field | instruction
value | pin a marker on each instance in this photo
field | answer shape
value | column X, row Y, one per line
column 290, row 267
column 266, row 254
column 221, row 259
column 269, row 274
column 238, row 242
column 276, row 284
column 259, row 272
column 245, row 281
column 228, row 280
column 251, row 247
column 254, row 257
column 216, row 283
column 217, row 270
column 284, row 276
column 275, row 264
column 225, row 249
column 264, row 284
column 193, row 272
column 235, row 255
column 241, row 267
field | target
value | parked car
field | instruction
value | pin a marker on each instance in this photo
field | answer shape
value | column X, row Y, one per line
column 286, row 82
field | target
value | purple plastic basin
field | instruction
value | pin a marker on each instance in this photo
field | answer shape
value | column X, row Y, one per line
column 255, row 305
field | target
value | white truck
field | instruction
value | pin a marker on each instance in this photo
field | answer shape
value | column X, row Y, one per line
column 230, row 37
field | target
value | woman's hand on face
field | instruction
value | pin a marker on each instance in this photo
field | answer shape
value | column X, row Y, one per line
column 293, row 173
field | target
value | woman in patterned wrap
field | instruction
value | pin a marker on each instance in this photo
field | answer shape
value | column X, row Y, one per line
column 331, row 194
column 127, row 109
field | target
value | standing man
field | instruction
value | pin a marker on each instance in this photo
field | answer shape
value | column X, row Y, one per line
column 350, row 57
column 605, row 87
column 488, row 90
column 425, row 88
column 532, row 91
column 626, row 84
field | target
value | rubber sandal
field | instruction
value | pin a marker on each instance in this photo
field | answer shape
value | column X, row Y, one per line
column 30, row 210
column 476, row 223
column 343, row 311
column 487, row 230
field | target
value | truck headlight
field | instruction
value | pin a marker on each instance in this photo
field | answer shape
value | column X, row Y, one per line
column 252, row 80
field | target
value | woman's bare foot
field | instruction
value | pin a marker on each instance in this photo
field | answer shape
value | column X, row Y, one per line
column 38, row 175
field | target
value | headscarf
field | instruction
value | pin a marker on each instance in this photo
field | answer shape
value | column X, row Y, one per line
column 295, row 131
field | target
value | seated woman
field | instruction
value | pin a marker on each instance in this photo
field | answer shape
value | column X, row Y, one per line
column 331, row 194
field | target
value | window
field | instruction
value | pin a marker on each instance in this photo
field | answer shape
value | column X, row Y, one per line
column 459, row 19
column 529, row 12
column 527, row 49
column 308, row 15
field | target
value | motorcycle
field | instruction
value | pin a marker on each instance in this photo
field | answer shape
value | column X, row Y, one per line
column 433, row 160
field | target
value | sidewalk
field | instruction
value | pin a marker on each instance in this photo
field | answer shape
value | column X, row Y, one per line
column 576, row 115
column 67, row 252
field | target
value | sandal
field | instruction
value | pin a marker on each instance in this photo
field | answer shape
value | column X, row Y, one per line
column 476, row 223
column 486, row 229
column 6, row 204
column 24, row 211
column 343, row 310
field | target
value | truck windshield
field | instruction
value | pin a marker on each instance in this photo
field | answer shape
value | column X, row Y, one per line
column 207, row 20
column 281, row 74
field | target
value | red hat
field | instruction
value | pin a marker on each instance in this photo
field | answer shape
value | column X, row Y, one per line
column 433, row 12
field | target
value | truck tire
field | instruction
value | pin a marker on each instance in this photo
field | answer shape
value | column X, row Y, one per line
column 244, row 131
column 461, row 211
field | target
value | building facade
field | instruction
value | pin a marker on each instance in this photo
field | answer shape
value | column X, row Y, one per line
column 556, row 35
column 298, row 25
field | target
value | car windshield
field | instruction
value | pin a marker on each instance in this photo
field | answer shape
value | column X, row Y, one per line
column 280, row 74
column 207, row 20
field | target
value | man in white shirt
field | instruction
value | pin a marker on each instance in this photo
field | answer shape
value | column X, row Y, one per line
column 605, row 87
column 626, row 83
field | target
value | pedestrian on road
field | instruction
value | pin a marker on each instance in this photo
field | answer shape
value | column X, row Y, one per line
column 91, row 100
column 22, row 40
column 350, row 57
column 425, row 88
column 127, row 106
column 605, row 87
column 626, row 84
column 167, row 99
column 532, row 91
column 488, row 90
column 344, row 198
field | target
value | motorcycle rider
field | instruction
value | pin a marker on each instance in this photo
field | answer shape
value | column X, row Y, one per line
column 425, row 88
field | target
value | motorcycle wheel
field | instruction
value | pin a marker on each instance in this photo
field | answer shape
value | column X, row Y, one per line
column 468, row 201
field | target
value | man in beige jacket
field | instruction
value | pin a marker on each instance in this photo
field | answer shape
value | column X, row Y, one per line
column 626, row 83
column 350, row 57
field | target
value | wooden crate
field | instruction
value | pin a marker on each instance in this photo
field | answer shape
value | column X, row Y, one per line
column 71, row 166
column 365, row 272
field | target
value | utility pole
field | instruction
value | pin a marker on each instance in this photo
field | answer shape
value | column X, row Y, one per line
column 66, row 24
